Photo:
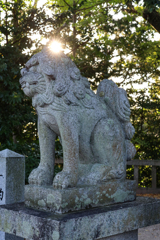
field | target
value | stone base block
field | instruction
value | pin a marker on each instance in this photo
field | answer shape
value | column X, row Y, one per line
column 109, row 222
column 71, row 199
column 6, row 236
column 132, row 235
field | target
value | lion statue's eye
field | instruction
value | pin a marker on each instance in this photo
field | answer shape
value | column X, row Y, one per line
column 33, row 69
column 33, row 83
column 51, row 77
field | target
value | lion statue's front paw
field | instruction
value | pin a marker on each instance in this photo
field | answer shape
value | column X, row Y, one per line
column 41, row 176
column 64, row 180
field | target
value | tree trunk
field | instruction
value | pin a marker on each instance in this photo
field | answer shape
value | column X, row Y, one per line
column 153, row 18
column 74, row 31
column 6, row 23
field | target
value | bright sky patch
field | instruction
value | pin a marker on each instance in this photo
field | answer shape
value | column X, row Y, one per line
column 55, row 46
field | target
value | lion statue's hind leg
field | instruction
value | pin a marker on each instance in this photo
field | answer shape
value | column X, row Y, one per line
column 108, row 146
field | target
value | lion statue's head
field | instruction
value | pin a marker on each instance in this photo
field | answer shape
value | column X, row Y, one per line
column 48, row 75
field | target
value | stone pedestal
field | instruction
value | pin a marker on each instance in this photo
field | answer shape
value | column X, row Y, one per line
column 115, row 222
column 80, row 197
column 132, row 235
column 6, row 236
column 12, row 181
column 12, row 177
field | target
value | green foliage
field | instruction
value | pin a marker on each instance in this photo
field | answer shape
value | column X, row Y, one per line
column 16, row 111
column 130, row 172
column 58, row 149
column 144, row 176
column 152, row 4
column 146, row 120
column 145, row 179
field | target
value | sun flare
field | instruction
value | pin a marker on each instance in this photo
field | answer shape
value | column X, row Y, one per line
column 55, row 46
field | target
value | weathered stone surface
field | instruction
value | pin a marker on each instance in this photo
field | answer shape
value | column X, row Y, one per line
column 2, row 235
column 132, row 235
column 12, row 237
column 8, row 153
column 88, row 224
column 94, row 129
column 12, row 181
column 12, row 177
column 80, row 197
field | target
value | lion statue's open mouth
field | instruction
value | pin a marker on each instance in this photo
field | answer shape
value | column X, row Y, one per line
column 95, row 129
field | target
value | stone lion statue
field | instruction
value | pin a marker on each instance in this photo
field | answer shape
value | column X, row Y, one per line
column 94, row 129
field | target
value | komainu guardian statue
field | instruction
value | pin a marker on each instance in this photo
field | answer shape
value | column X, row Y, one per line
column 94, row 129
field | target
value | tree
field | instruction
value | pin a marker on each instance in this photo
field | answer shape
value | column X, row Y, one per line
column 149, row 9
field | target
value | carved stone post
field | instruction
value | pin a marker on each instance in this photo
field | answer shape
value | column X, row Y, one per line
column 12, row 181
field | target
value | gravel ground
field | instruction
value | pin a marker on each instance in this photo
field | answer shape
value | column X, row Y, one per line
column 149, row 233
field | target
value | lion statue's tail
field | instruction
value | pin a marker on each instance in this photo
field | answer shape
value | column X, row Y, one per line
column 116, row 98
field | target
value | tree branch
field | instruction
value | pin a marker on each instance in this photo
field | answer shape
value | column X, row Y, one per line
column 66, row 3
column 83, row 9
column 130, row 10
column 152, row 17
column 77, row 2
column 61, row 28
